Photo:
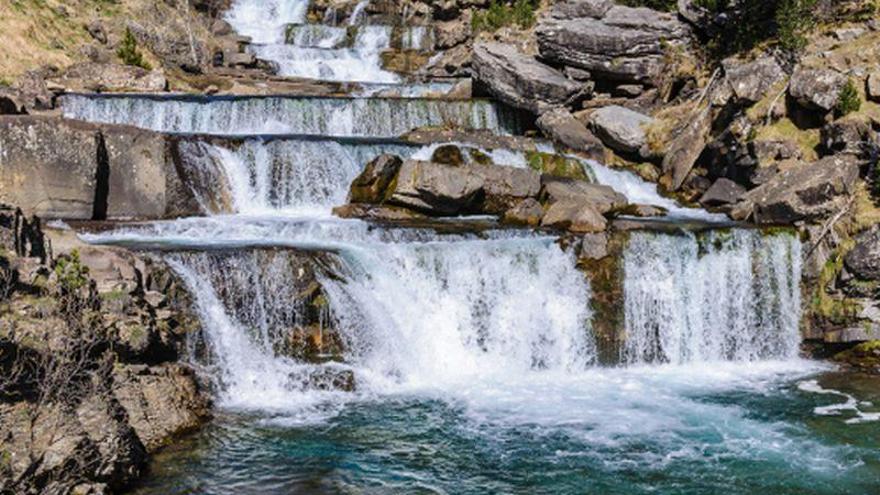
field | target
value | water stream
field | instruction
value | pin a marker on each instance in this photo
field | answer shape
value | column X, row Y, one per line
column 472, row 351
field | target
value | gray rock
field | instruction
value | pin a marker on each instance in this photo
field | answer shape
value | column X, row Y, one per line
column 574, row 217
column 48, row 166
column 863, row 260
column 139, row 173
column 521, row 81
column 569, row 9
column 751, row 81
column 602, row 198
column 686, row 148
column 377, row 212
column 846, row 135
column 505, row 187
column 593, row 247
column 873, row 86
column 436, row 189
column 577, row 74
column 451, row 33
column 621, row 44
column 528, row 212
column 723, row 192
column 371, row 186
column 561, row 126
column 621, row 129
column 816, row 89
column 693, row 13
column 809, row 191
column 644, row 211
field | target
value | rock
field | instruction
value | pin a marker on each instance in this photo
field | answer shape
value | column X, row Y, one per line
column 863, row 260
column 873, row 86
column 528, row 212
column 723, row 192
column 505, row 187
column 577, row 74
column 521, row 81
column 91, row 76
column 618, row 43
column 686, row 148
column 847, row 135
column 808, row 191
column 620, row 128
column 376, row 212
column 574, row 217
column 139, row 173
column 34, row 91
column 601, row 198
column 436, row 189
column 162, row 402
column 448, row 154
column 97, row 32
column 695, row 14
column 816, row 89
column 451, row 33
column 245, row 60
column 628, row 90
column 561, row 126
column 568, row 9
column 848, row 33
column 221, row 28
column 644, row 211
column 593, row 247
column 371, row 186
column 752, row 81
column 48, row 166
column 455, row 62
column 11, row 102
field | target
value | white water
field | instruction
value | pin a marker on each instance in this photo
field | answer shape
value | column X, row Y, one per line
column 280, row 176
column 383, row 117
column 725, row 296
column 300, row 56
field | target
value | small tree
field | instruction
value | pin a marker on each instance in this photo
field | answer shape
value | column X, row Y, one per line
column 129, row 54
column 793, row 19
column 848, row 101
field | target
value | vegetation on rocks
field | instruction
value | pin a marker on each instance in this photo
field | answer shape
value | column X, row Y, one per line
column 849, row 100
column 500, row 14
column 129, row 53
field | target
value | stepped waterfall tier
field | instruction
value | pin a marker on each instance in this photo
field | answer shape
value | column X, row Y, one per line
column 464, row 247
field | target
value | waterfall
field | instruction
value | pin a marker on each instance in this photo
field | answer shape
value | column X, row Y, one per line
column 720, row 295
column 377, row 117
column 246, row 300
column 294, row 176
column 264, row 21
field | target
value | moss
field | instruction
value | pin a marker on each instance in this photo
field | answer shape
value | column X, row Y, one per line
column 834, row 309
column 113, row 295
column 606, row 283
column 784, row 129
column 558, row 165
column 865, row 356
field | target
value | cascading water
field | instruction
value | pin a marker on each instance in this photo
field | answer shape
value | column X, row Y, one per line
column 375, row 117
column 291, row 44
column 722, row 295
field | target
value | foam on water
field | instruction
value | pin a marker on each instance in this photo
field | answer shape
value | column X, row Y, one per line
column 849, row 405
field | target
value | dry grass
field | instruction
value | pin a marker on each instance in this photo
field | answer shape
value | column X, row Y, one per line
column 40, row 32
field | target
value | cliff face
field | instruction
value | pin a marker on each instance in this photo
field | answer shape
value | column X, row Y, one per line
column 90, row 343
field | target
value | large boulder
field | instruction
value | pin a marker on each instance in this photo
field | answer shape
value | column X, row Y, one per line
column 436, row 189
column 58, row 168
column 621, row 129
column 723, row 192
column 808, row 191
column 48, row 167
column 614, row 43
column 751, row 81
column 686, row 147
column 505, row 187
column 863, row 260
column 161, row 402
column 602, row 198
column 521, row 81
column 561, row 126
column 847, row 135
column 816, row 89
column 372, row 184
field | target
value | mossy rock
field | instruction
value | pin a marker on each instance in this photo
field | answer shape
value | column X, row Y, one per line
column 864, row 356
column 557, row 165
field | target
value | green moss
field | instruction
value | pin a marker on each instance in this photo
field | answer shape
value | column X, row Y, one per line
column 837, row 310
column 557, row 165
column 606, row 283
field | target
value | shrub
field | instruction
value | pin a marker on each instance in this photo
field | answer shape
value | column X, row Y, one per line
column 793, row 19
column 129, row 54
column 848, row 101
column 500, row 14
